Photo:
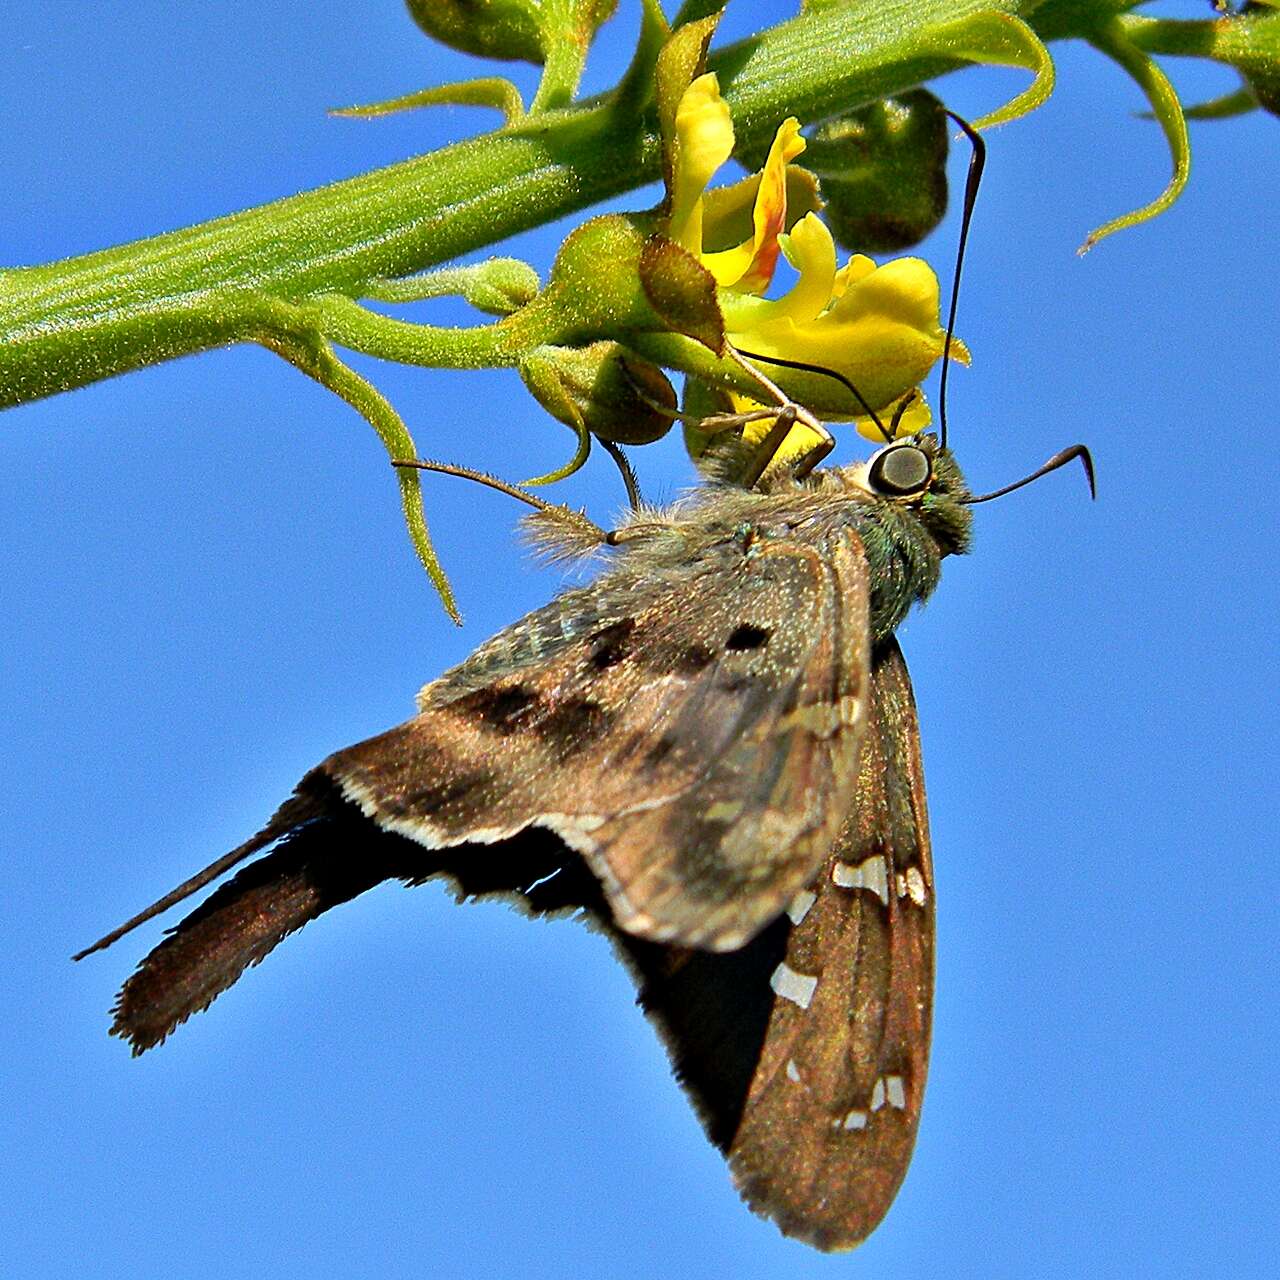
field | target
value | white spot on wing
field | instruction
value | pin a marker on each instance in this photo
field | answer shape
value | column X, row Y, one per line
column 793, row 1072
column 895, row 1090
column 855, row 1119
column 793, row 986
column 800, row 905
column 916, row 890
column 890, row 1091
column 871, row 874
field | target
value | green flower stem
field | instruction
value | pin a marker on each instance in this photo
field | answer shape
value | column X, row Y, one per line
column 497, row 285
column 75, row 321
column 561, row 73
column 72, row 322
column 1188, row 39
column 351, row 325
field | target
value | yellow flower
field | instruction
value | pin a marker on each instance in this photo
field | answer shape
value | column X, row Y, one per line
column 877, row 326
column 703, row 142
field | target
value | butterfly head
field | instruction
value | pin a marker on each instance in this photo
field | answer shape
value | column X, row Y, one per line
column 919, row 476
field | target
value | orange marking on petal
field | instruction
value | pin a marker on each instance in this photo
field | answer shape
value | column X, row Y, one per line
column 770, row 214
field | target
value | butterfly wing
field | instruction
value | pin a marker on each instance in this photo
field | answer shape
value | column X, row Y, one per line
column 691, row 734
column 805, row 1052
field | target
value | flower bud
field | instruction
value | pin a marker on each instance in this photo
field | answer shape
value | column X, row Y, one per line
column 605, row 388
column 882, row 170
column 520, row 30
column 500, row 285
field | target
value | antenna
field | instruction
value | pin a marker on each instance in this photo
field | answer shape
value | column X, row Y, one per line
column 1058, row 460
column 976, row 164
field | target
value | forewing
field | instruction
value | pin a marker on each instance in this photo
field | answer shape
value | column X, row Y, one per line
column 806, row 1051
column 691, row 733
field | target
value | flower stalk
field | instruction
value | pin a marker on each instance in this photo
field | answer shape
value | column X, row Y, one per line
column 295, row 275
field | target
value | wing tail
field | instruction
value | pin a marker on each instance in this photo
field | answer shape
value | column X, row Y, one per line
column 307, row 802
column 236, row 928
column 325, row 858
column 330, row 855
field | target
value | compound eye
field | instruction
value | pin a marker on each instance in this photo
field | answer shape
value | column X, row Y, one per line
column 900, row 471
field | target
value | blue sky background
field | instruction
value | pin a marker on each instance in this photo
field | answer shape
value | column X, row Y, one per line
column 206, row 588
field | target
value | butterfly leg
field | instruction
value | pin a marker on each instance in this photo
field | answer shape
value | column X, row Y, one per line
column 789, row 413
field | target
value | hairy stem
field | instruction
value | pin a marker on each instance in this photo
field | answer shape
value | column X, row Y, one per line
column 73, row 322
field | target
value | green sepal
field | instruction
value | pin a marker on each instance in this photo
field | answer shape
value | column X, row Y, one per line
column 680, row 61
column 316, row 358
column 682, row 292
column 541, row 377
column 598, row 287
column 883, row 172
column 1113, row 40
column 635, row 90
column 1002, row 40
column 1239, row 102
column 486, row 91
column 617, row 277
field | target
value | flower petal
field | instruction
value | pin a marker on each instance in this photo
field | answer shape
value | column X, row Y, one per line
column 870, row 332
column 749, row 267
column 703, row 142
column 915, row 419
column 857, row 268
column 903, row 289
column 882, row 334
column 812, row 251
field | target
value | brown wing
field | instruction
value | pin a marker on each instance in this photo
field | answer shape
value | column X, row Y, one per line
column 691, row 735
column 805, row 1052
